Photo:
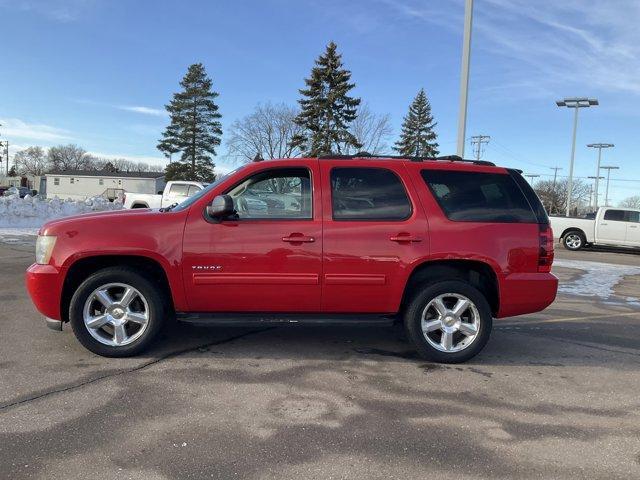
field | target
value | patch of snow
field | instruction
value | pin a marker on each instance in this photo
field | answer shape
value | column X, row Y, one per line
column 598, row 279
column 33, row 212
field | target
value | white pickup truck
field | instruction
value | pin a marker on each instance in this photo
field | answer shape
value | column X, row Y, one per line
column 612, row 226
column 174, row 191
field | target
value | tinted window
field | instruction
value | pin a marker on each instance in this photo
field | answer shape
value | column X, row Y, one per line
column 479, row 197
column 274, row 194
column 617, row 215
column 633, row 216
column 368, row 194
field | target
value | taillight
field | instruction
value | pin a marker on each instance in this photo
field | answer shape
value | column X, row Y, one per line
column 545, row 253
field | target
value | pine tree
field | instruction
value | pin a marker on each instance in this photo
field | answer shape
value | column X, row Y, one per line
column 326, row 109
column 195, row 129
column 418, row 138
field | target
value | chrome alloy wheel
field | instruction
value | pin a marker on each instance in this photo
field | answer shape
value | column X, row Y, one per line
column 573, row 241
column 116, row 314
column 450, row 322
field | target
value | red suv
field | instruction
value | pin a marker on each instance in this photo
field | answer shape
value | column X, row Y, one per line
column 443, row 245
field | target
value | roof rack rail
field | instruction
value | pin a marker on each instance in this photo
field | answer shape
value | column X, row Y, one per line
column 449, row 158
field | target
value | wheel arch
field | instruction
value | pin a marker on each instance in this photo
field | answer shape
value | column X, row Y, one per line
column 79, row 270
column 573, row 229
column 475, row 272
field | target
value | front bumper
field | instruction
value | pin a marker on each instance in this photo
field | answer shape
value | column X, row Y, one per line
column 44, row 284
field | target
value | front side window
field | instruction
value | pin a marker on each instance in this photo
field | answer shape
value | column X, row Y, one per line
column 479, row 197
column 368, row 194
column 274, row 194
column 615, row 215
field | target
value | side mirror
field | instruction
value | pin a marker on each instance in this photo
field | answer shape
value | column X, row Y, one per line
column 160, row 192
column 221, row 207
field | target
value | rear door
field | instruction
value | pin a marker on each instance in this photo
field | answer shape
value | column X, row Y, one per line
column 373, row 229
column 633, row 228
column 612, row 228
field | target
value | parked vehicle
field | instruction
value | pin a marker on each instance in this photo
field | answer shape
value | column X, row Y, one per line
column 174, row 192
column 20, row 191
column 443, row 246
column 619, row 227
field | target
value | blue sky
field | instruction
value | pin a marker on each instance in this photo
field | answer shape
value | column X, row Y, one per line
column 98, row 73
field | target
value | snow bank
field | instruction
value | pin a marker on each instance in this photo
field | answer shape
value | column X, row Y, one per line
column 33, row 212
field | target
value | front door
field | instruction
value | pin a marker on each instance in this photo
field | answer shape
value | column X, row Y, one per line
column 612, row 229
column 373, row 229
column 269, row 259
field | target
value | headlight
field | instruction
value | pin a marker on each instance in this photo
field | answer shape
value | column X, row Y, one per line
column 44, row 247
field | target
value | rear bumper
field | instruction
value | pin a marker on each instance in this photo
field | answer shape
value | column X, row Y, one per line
column 44, row 284
column 522, row 293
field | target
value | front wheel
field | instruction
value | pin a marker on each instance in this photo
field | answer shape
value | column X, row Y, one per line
column 116, row 312
column 448, row 322
column 573, row 241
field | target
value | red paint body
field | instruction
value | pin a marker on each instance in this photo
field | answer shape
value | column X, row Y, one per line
column 341, row 266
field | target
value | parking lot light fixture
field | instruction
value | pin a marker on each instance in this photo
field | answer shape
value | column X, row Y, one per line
column 599, row 146
column 576, row 103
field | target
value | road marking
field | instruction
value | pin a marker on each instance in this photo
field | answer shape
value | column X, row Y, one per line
column 570, row 319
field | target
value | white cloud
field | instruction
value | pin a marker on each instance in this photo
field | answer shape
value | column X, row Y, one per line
column 58, row 10
column 154, row 160
column 143, row 110
column 16, row 128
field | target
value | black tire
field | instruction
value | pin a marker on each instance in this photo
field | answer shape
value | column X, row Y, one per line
column 574, row 240
column 148, row 289
column 422, row 298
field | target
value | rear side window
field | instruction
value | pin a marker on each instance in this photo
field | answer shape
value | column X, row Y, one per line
column 179, row 189
column 368, row 194
column 479, row 197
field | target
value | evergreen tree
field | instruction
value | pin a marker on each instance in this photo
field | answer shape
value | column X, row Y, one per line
column 418, row 138
column 195, row 129
column 326, row 109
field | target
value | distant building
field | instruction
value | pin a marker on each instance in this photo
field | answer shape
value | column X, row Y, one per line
column 80, row 184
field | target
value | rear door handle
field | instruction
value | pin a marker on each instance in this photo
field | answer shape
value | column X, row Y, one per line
column 401, row 238
column 298, row 238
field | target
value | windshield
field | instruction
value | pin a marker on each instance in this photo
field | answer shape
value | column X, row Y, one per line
column 194, row 198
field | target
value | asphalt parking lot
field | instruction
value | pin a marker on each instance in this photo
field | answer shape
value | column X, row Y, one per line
column 554, row 395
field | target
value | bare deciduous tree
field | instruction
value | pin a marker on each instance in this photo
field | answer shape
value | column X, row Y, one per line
column 265, row 133
column 631, row 202
column 69, row 157
column 554, row 198
column 371, row 131
column 31, row 161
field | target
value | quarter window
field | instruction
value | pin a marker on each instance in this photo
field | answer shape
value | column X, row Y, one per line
column 274, row 194
column 479, row 197
column 368, row 194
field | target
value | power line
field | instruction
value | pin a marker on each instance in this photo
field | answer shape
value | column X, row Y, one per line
column 476, row 142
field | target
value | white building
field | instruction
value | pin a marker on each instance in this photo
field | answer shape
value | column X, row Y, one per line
column 78, row 184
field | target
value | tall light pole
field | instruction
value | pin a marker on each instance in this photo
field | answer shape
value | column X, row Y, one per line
column 594, row 191
column 531, row 176
column 464, row 76
column 606, row 194
column 575, row 103
column 599, row 146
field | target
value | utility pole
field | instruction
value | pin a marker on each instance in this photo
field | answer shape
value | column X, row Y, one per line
column 477, row 142
column 464, row 76
column 599, row 146
column 576, row 104
column 555, row 175
column 606, row 194
column 594, row 191
column 552, row 200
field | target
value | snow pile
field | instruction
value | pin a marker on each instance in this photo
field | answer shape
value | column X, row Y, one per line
column 33, row 212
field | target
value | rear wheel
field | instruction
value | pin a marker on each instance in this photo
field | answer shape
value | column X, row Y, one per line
column 116, row 312
column 573, row 240
column 448, row 322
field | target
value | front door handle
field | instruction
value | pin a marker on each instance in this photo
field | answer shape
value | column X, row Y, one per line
column 298, row 238
column 405, row 237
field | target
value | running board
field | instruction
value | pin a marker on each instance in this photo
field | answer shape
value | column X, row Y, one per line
column 253, row 319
